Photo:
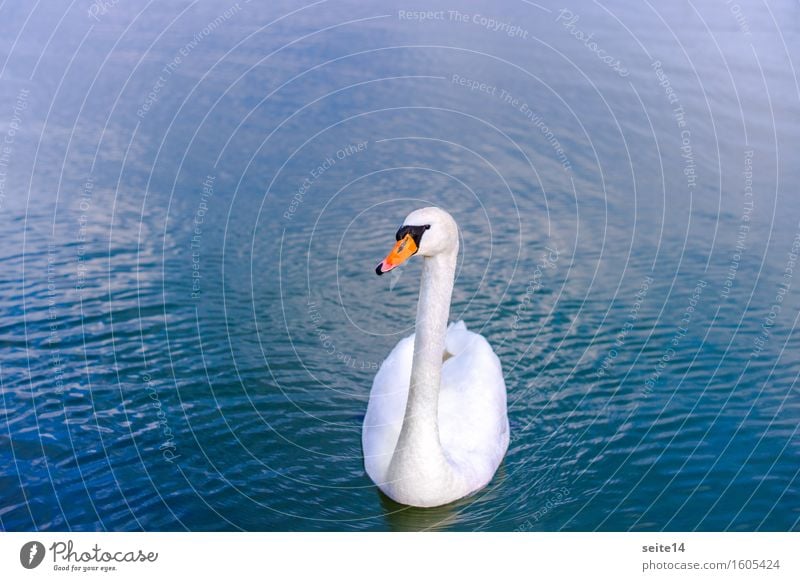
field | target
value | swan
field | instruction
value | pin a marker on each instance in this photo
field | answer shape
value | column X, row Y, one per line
column 436, row 426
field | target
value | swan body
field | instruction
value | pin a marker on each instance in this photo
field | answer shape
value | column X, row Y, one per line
column 436, row 427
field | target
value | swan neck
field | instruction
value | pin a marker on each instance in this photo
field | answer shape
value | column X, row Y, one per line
column 433, row 312
column 419, row 469
column 420, row 430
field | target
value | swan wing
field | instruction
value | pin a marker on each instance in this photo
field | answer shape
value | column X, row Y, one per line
column 386, row 409
column 473, row 421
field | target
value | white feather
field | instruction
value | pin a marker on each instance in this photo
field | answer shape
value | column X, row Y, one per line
column 471, row 419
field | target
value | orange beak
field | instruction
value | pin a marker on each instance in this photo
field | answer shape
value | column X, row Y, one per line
column 402, row 251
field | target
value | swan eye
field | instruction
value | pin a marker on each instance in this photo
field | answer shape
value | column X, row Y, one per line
column 415, row 231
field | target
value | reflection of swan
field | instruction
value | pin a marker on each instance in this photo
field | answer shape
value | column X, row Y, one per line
column 436, row 427
column 403, row 518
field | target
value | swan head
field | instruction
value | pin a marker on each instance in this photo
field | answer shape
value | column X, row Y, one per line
column 427, row 232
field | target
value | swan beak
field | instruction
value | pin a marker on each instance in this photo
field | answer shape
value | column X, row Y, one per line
column 402, row 251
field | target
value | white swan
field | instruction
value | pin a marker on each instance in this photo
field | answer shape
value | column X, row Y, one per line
column 436, row 427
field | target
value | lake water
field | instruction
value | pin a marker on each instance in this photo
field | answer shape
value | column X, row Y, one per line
column 194, row 197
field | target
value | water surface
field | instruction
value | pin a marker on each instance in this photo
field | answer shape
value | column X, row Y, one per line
column 195, row 195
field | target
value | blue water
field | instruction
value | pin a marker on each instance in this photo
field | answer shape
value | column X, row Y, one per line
column 193, row 198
